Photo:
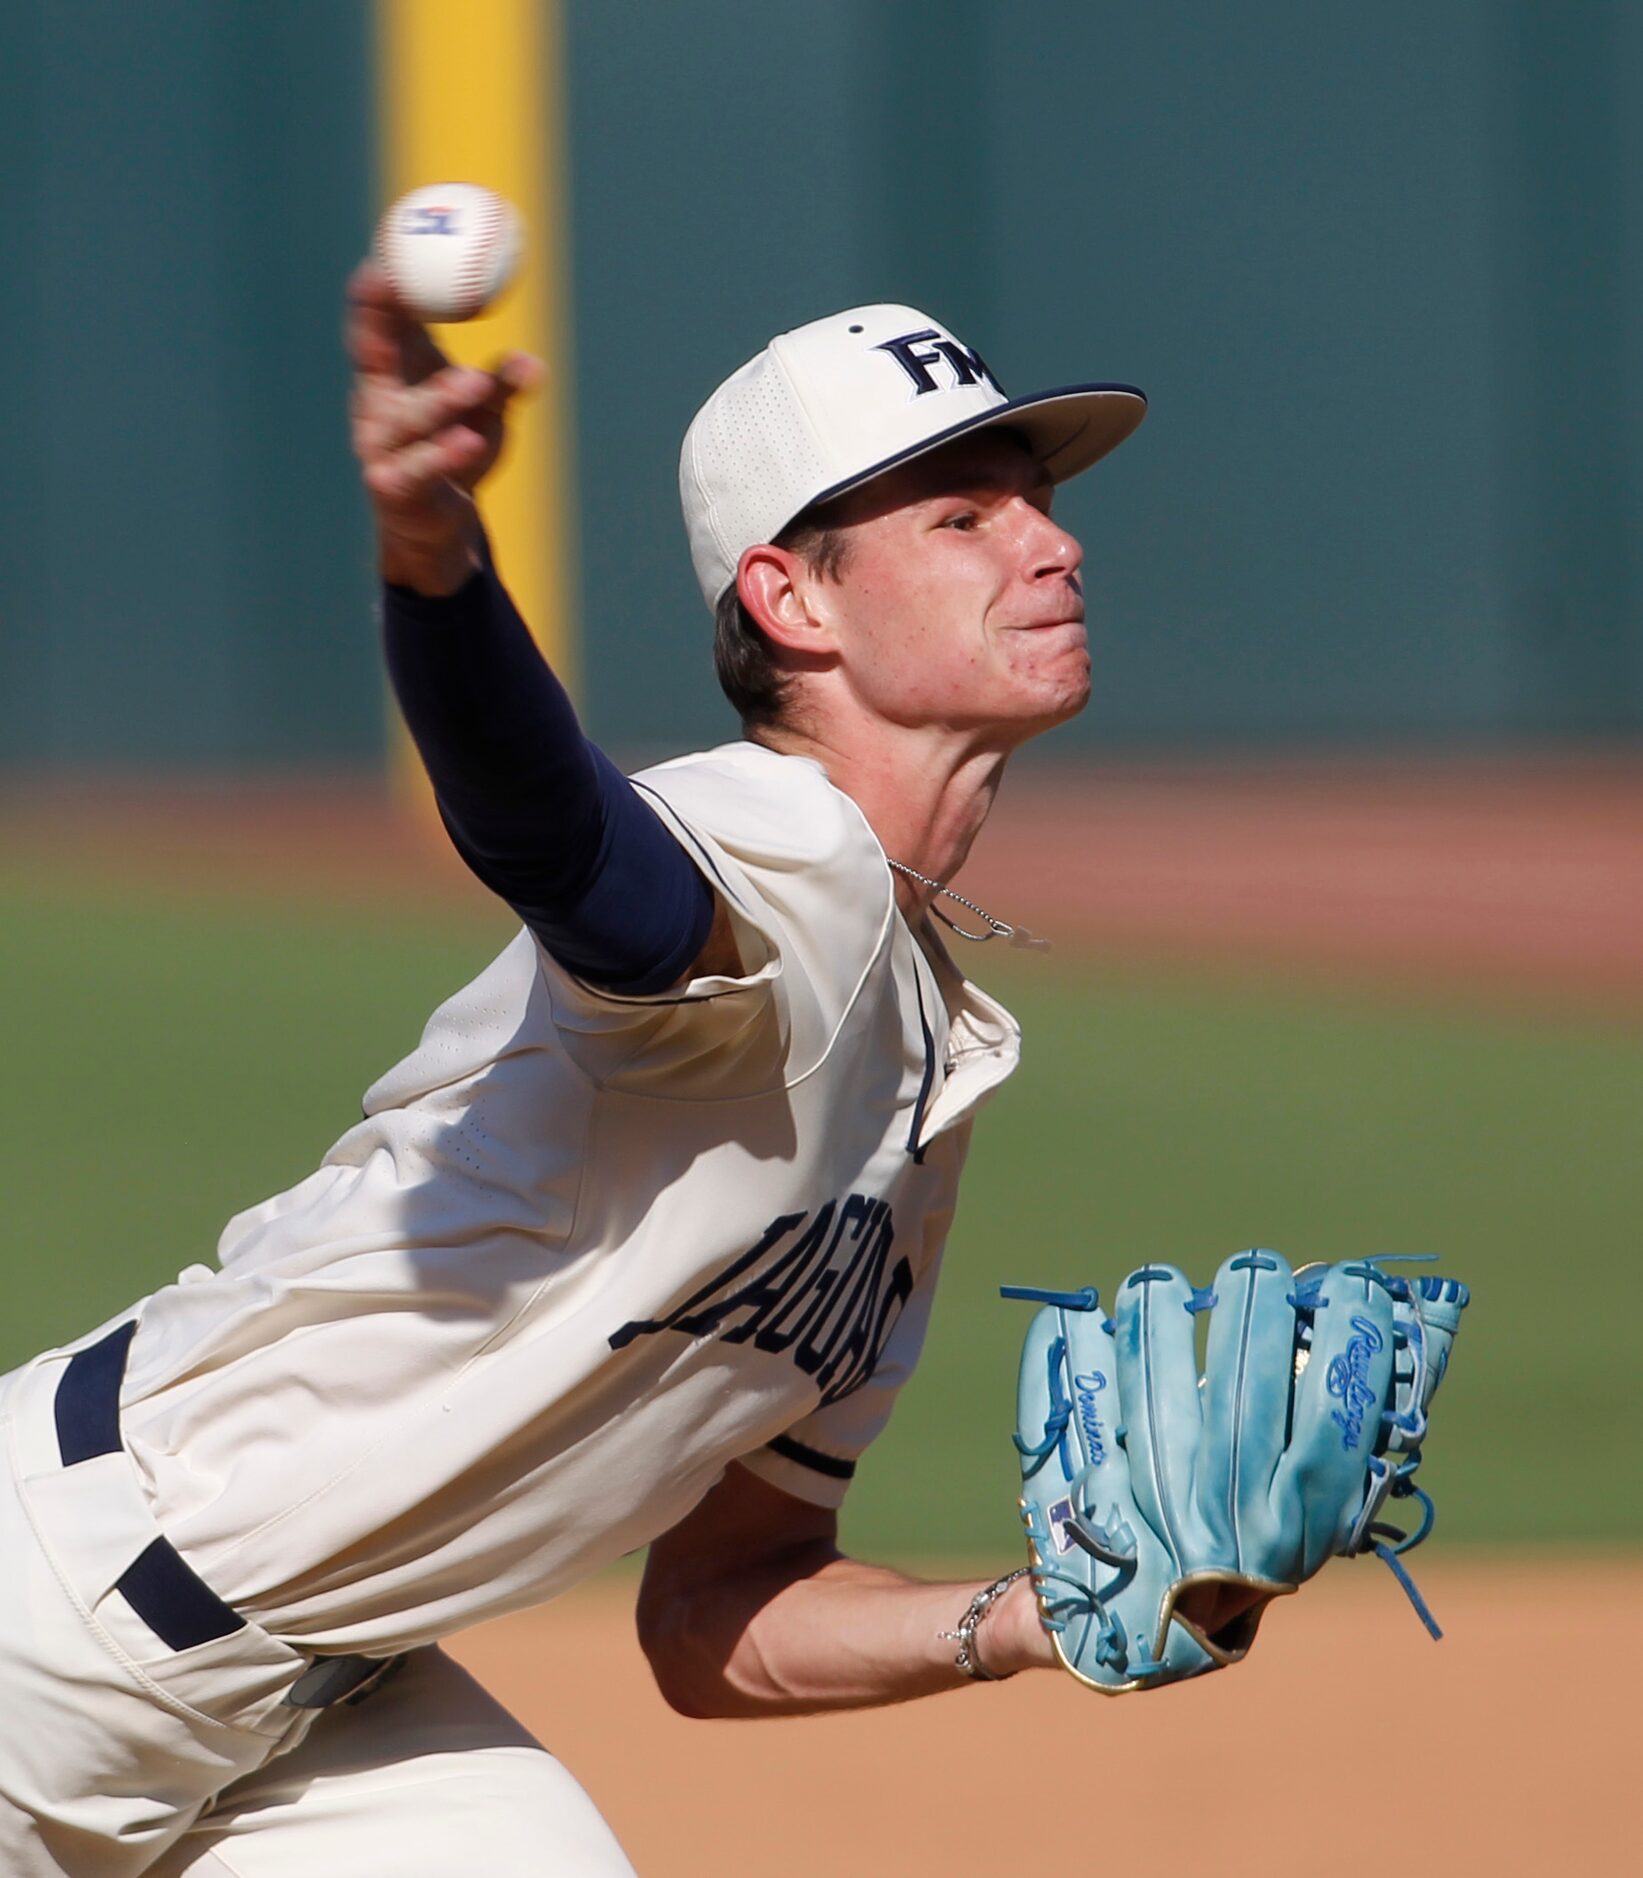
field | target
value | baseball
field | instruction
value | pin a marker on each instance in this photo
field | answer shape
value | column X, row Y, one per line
column 449, row 249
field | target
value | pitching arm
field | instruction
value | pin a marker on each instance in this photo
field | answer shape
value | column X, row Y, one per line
column 541, row 816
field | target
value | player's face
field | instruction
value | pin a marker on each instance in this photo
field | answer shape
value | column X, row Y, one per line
column 959, row 602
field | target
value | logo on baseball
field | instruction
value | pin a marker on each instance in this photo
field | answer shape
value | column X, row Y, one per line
column 449, row 249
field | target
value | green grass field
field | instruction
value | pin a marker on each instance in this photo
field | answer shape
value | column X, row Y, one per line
column 169, row 1062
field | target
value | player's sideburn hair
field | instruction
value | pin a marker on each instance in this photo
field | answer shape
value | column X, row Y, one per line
column 747, row 664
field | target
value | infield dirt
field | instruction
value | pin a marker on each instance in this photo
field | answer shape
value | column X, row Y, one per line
column 1346, row 1741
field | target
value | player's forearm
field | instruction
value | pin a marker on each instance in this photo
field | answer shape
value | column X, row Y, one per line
column 837, row 1635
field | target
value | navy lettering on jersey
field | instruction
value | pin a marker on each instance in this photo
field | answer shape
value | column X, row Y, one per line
column 960, row 365
column 821, row 1287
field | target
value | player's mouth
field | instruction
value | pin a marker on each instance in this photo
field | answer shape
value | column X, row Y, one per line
column 1074, row 624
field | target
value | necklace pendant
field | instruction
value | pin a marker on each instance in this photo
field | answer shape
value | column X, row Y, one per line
column 1026, row 941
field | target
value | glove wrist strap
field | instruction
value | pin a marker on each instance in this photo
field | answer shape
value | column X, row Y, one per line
column 965, row 1635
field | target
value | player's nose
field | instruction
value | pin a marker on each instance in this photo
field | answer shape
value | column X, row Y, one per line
column 1051, row 551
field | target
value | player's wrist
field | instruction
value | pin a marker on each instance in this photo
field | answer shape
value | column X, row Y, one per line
column 993, row 1639
column 435, row 568
column 1010, row 1637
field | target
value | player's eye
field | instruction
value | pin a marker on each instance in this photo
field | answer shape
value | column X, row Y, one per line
column 965, row 519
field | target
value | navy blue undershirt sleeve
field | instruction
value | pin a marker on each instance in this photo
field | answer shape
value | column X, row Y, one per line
column 540, row 814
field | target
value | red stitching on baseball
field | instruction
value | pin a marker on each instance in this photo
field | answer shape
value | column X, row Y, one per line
column 471, row 279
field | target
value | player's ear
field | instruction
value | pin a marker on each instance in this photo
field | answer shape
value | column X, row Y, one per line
column 785, row 596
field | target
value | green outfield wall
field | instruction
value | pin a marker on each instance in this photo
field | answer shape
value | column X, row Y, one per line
column 1381, row 274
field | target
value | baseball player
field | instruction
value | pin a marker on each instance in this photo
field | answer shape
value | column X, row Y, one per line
column 639, row 1244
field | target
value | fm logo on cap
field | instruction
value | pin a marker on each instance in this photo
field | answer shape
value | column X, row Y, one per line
column 964, row 363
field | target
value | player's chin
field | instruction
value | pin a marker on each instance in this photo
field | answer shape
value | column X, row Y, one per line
column 1048, row 707
column 1062, row 684
column 1069, row 708
column 1043, row 681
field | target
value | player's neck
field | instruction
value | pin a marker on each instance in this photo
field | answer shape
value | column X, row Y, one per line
column 924, row 792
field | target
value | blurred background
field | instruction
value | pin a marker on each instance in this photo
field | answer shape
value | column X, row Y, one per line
column 1355, row 815
column 1345, row 862
column 1380, row 277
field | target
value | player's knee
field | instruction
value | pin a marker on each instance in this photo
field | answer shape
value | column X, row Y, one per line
column 514, row 1813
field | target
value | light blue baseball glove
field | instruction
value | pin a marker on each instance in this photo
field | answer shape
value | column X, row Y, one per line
column 1164, row 1510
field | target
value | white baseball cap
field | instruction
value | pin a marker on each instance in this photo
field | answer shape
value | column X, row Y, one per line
column 835, row 403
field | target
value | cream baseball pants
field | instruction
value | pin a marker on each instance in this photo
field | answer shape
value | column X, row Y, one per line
column 121, row 1754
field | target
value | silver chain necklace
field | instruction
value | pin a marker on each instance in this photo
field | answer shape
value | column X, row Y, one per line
column 996, row 928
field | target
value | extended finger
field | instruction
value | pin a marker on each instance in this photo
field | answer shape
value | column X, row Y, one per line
column 511, row 375
column 515, row 372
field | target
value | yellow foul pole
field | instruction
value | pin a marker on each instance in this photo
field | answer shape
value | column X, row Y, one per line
column 470, row 92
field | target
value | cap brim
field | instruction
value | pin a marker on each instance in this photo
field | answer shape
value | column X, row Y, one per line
column 1067, row 430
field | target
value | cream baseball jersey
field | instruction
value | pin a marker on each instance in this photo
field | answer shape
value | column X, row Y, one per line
column 582, row 1252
